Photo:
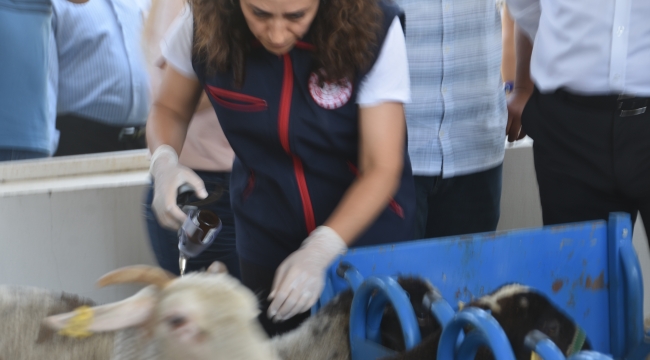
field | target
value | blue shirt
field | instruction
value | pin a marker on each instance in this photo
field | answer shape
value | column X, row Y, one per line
column 457, row 117
column 24, row 33
column 97, row 67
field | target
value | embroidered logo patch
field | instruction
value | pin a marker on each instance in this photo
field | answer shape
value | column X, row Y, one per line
column 331, row 95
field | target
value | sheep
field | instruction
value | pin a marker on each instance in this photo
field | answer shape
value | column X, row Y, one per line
column 165, row 321
column 178, row 316
column 22, row 308
column 519, row 310
column 168, row 320
column 133, row 328
column 173, row 323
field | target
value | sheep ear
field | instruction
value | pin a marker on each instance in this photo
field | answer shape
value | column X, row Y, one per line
column 217, row 267
column 133, row 311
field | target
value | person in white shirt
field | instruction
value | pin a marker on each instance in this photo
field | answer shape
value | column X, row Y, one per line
column 586, row 106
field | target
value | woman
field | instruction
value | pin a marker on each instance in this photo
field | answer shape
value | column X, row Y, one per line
column 206, row 151
column 310, row 96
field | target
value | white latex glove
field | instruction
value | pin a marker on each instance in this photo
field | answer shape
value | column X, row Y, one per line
column 300, row 278
column 168, row 175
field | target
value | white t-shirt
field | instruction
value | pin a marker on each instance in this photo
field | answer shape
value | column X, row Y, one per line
column 388, row 80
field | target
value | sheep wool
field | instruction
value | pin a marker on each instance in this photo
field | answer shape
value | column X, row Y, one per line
column 22, row 337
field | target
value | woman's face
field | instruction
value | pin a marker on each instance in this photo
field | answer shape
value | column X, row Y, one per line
column 279, row 24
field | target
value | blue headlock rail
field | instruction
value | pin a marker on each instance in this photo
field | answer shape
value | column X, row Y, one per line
column 588, row 269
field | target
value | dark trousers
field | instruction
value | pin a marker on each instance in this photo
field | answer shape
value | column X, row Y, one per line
column 260, row 279
column 165, row 242
column 85, row 136
column 463, row 204
column 589, row 160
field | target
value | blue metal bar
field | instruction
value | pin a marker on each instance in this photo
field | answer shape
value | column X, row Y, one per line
column 538, row 342
column 483, row 322
column 348, row 272
column 397, row 297
column 375, row 314
column 633, row 295
column 468, row 348
column 441, row 310
column 344, row 270
column 619, row 230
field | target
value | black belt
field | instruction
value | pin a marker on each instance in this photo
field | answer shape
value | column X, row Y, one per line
column 628, row 105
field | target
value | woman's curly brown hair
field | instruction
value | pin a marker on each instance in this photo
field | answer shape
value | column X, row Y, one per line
column 344, row 33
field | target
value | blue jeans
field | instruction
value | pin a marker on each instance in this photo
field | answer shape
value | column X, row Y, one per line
column 459, row 205
column 165, row 242
column 15, row 154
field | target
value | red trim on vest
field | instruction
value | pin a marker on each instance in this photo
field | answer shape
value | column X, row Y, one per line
column 285, row 103
column 250, row 185
column 283, row 129
column 243, row 102
column 392, row 204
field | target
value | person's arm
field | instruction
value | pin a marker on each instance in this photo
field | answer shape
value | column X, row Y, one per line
column 382, row 133
column 166, row 130
column 523, row 86
column 172, row 110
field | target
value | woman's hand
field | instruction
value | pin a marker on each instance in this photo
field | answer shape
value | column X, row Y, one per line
column 168, row 176
column 300, row 278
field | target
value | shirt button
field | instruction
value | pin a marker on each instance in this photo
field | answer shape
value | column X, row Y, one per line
column 620, row 30
column 447, row 7
column 446, row 49
column 441, row 133
column 444, row 90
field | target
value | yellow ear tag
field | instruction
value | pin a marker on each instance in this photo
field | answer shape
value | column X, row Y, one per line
column 461, row 305
column 534, row 356
column 77, row 327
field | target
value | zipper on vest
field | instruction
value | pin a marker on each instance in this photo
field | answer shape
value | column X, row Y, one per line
column 283, row 130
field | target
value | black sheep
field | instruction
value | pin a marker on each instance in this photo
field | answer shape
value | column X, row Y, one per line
column 517, row 308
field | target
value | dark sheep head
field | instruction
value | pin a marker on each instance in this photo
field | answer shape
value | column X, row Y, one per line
column 520, row 309
column 416, row 288
column 517, row 308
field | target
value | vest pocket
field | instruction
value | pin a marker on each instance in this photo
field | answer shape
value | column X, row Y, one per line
column 236, row 101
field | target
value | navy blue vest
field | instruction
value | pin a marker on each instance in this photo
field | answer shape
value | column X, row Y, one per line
column 295, row 159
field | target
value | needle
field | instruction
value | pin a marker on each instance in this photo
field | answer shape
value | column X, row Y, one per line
column 182, row 262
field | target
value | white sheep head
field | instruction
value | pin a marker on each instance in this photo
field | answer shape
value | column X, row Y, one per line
column 199, row 316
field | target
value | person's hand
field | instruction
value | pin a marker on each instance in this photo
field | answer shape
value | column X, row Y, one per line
column 300, row 278
column 516, row 102
column 168, row 175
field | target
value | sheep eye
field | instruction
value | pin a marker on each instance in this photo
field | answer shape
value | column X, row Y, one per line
column 176, row 321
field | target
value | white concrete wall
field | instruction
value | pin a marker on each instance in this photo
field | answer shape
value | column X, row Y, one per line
column 65, row 222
